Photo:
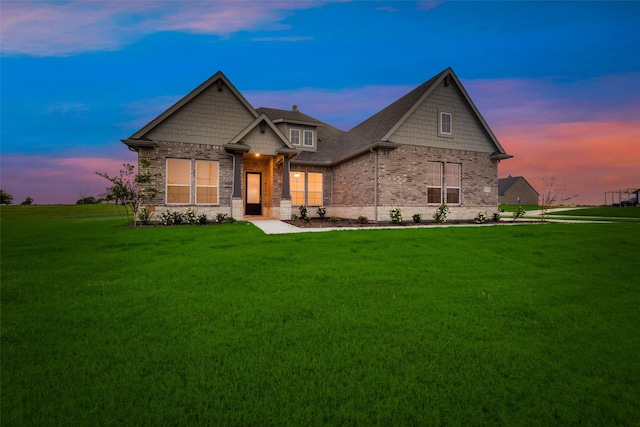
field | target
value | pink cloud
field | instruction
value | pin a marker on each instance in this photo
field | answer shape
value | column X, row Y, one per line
column 58, row 180
column 60, row 29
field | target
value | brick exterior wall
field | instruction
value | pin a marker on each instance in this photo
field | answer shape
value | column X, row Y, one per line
column 402, row 182
column 326, row 184
column 354, row 182
column 157, row 158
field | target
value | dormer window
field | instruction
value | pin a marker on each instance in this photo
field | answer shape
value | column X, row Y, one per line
column 308, row 138
column 304, row 137
column 294, row 136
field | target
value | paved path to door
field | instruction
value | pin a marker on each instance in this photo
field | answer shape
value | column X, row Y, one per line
column 272, row 226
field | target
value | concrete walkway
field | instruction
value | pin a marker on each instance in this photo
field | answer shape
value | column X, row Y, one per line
column 269, row 226
column 272, row 226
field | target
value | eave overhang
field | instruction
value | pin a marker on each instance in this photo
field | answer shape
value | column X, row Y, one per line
column 238, row 147
column 380, row 145
column 138, row 143
column 297, row 122
column 497, row 155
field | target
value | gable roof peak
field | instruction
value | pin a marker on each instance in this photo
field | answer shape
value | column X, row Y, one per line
column 218, row 79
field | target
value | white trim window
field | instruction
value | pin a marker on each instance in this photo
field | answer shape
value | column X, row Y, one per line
column 308, row 138
column 434, row 183
column 445, row 123
column 178, row 189
column 452, row 183
column 444, row 187
column 207, row 175
column 294, row 136
column 306, row 188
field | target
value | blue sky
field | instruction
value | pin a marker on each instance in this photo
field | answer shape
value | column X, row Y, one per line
column 558, row 82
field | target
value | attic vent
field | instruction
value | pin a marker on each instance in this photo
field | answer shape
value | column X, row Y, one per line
column 294, row 108
column 220, row 83
column 447, row 80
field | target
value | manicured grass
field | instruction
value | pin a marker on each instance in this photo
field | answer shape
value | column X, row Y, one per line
column 604, row 211
column 223, row 325
column 98, row 211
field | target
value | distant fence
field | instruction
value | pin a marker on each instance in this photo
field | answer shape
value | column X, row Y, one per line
column 616, row 197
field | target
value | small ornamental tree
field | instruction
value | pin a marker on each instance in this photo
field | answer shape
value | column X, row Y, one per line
column 553, row 196
column 5, row 198
column 130, row 190
column 27, row 202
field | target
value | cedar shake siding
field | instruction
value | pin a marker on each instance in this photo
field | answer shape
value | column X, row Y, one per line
column 213, row 117
column 421, row 128
column 380, row 164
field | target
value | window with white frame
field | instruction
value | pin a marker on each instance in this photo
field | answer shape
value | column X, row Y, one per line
column 434, row 182
column 452, row 183
column 294, row 136
column 306, row 188
column 446, row 123
column 443, row 183
column 308, row 138
column 206, row 182
column 178, row 181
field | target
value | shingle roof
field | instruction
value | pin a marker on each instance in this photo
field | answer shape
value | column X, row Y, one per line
column 328, row 136
column 288, row 115
column 335, row 145
column 376, row 127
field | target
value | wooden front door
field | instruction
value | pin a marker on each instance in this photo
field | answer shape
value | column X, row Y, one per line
column 253, row 196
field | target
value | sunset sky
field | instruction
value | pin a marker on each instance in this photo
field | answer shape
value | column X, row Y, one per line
column 558, row 82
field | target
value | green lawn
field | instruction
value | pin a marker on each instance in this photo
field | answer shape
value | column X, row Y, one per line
column 222, row 325
column 603, row 211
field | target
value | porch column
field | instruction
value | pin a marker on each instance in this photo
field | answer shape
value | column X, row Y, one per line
column 286, row 186
column 237, row 175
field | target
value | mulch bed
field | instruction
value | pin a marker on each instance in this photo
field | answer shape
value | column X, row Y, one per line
column 343, row 222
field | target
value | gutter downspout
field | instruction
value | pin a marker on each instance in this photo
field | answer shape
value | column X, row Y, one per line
column 375, row 188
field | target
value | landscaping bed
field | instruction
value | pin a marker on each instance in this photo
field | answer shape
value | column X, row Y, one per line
column 344, row 222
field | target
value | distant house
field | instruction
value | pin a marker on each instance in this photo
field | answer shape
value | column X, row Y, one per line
column 515, row 190
column 215, row 153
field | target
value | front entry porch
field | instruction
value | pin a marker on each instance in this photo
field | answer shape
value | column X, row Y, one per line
column 261, row 187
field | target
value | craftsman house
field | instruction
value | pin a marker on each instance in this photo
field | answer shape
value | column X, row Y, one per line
column 214, row 152
column 515, row 190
